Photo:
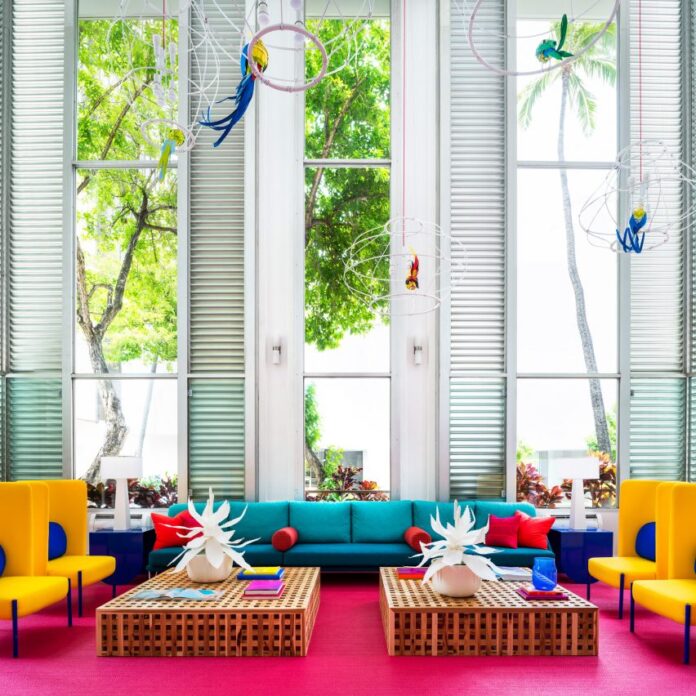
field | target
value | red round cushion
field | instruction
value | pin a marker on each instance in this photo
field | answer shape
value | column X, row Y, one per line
column 165, row 534
column 533, row 532
column 284, row 538
column 503, row 531
column 414, row 536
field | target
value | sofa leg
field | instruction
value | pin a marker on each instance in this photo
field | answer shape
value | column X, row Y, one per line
column 633, row 611
column 113, row 591
column 69, row 600
column 622, row 584
column 687, row 633
column 79, row 593
column 588, row 591
column 15, row 629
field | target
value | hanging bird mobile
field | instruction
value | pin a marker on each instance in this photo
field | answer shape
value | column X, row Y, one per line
column 412, row 277
column 175, row 138
column 632, row 239
column 548, row 49
column 243, row 94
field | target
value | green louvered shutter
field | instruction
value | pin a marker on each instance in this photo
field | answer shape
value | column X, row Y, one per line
column 216, row 299
column 477, row 219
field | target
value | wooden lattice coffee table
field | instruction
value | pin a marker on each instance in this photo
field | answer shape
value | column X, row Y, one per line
column 495, row 621
column 229, row 625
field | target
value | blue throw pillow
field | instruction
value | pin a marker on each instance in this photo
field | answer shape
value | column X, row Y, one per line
column 645, row 541
column 57, row 541
column 2, row 561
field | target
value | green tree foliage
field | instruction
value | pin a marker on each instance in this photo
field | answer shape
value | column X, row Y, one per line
column 347, row 115
column 126, row 218
column 311, row 417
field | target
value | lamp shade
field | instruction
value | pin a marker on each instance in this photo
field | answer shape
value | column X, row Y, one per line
column 577, row 467
column 121, row 467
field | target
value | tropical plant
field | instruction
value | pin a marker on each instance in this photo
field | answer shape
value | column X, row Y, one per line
column 597, row 62
column 312, row 434
column 602, row 491
column 153, row 492
column 460, row 545
column 213, row 538
column 532, row 489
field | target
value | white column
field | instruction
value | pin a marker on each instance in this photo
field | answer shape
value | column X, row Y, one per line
column 280, row 278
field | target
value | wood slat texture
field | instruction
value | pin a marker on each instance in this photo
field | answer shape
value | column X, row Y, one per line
column 495, row 621
column 228, row 626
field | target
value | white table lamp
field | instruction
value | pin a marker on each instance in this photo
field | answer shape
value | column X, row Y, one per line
column 121, row 469
column 578, row 469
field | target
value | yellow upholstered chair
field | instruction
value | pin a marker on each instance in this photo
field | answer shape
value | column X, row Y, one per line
column 675, row 596
column 24, row 586
column 67, row 505
column 637, row 506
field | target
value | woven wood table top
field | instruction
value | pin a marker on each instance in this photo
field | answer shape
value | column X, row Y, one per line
column 299, row 583
column 415, row 594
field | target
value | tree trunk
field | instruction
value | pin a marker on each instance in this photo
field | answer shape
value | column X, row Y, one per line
column 314, row 463
column 140, row 440
column 596, row 398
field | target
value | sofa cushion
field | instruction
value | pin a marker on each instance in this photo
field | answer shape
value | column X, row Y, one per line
column 521, row 556
column 424, row 509
column 166, row 533
column 534, row 532
column 254, row 554
column 380, row 522
column 415, row 536
column 174, row 510
column 646, row 541
column 499, row 509
column 502, row 531
column 57, row 541
column 261, row 520
column 349, row 555
column 321, row 523
column 284, row 538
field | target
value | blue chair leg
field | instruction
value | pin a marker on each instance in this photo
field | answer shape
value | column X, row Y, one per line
column 69, row 598
column 687, row 633
column 113, row 591
column 622, row 584
column 15, row 629
column 633, row 611
column 79, row 593
column 588, row 591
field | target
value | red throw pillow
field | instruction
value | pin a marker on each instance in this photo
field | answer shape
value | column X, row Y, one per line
column 413, row 536
column 165, row 534
column 502, row 531
column 284, row 538
column 533, row 532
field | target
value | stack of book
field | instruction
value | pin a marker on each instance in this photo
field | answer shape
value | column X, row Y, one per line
column 531, row 593
column 410, row 573
column 268, row 589
column 265, row 573
column 512, row 573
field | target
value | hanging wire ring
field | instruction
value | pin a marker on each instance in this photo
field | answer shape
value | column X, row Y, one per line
column 295, row 29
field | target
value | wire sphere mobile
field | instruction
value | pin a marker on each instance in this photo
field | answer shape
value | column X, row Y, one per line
column 638, row 206
column 472, row 11
column 379, row 267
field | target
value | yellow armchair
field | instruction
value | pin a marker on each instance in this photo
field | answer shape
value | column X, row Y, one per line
column 67, row 505
column 24, row 585
column 638, row 505
column 674, row 596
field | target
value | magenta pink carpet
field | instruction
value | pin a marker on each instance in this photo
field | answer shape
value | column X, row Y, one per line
column 347, row 656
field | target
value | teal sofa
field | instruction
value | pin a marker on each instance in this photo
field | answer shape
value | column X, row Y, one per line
column 349, row 535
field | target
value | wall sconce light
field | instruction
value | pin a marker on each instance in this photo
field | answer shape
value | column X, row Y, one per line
column 418, row 352
column 276, row 351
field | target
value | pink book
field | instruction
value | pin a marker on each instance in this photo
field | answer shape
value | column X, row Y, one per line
column 270, row 586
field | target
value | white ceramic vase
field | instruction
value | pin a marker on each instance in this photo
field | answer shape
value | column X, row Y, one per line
column 200, row 569
column 456, row 581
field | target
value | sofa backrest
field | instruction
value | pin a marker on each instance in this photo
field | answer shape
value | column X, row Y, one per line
column 485, row 508
column 321, row 523
column 380, row 522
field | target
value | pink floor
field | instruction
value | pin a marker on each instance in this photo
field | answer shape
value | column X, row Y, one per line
column 347, row 656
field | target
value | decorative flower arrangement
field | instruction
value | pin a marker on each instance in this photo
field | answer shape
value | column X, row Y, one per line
column 212, row 549
column 461, row 546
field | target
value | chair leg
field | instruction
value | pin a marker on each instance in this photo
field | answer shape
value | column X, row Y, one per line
column 622, row 583
column 15, row 629
column 588, row 591
column 633, row 611
column 69, row 602
column 113, row 591
column 79, row 593
column 687, row 633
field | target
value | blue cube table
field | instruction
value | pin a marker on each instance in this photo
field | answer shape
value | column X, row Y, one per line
column 574, row 547
column 130, row 548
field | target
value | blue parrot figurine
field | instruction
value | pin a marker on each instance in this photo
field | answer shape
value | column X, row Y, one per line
column 632, row 238
column 243, row 94
column 548, row 49
column 175, row 138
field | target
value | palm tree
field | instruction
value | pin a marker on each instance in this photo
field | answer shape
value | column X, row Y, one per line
column 598, row 62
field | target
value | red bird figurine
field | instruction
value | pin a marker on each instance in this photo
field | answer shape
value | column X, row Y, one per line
column 412, row 278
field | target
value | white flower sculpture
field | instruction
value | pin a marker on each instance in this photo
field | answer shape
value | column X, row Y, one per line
column 214, row 538
column 461, row 545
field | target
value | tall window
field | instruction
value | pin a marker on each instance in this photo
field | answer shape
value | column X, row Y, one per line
column 125, row 358
column 566, row 299
column 347, row 345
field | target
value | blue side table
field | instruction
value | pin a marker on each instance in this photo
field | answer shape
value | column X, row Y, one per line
column 573, row 548
column 130, row 548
